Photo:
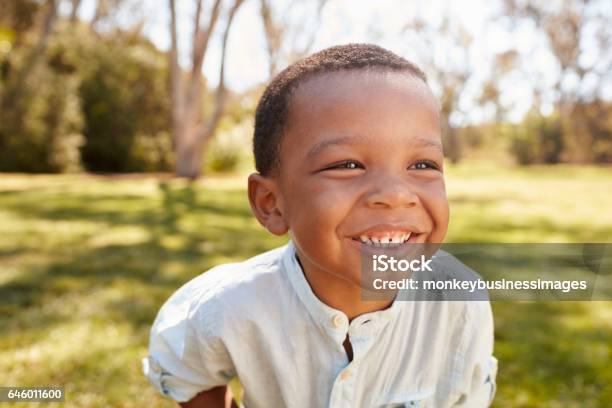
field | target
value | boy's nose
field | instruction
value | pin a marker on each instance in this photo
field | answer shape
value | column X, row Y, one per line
column 391, row 193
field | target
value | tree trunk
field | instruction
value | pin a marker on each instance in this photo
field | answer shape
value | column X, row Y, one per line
column 189, row 154
column 32, row 59
column 450, row 142
column 191, row 134
column 75, row 10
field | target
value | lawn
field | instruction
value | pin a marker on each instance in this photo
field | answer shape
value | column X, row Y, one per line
column 86, row 262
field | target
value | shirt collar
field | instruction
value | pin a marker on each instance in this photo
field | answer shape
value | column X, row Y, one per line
column 332, row 321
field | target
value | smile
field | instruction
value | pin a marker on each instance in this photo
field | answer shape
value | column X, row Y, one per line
column 385, row 239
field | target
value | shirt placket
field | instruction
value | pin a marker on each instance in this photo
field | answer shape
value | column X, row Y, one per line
column 334, row 324
column 343, row 390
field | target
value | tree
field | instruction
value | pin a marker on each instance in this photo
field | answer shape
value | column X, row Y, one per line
column 71, row 96
column 285, row 38
column 30, row 12
column 124, row 100
column 191, row 133
column 447, row 61
column 490, row 95
column 39, row 117
column 74, row 10
column 577, row 35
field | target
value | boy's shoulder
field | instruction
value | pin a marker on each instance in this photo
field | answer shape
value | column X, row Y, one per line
column 236, row 278
column 228, row 289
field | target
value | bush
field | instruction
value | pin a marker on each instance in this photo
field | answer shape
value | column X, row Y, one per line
column 40, row 116
column 94, row 101
column 152, row 152
column 523, row 147
column 126, row 107
column 230, row 150
column 538, row 139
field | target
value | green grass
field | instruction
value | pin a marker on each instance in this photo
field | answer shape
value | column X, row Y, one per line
column 86, row 262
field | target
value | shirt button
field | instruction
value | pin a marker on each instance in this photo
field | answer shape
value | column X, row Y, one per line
column 345, row 375
column 337, row 320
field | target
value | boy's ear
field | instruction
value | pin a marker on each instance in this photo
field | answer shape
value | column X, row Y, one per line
column 264, row 200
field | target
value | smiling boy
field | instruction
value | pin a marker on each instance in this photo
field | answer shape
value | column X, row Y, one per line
column 348, row 153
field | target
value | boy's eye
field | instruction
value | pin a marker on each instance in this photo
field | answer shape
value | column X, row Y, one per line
column 423, row 165
column 349, row 165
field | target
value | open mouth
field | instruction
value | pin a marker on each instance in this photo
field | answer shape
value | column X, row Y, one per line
column 386, row 240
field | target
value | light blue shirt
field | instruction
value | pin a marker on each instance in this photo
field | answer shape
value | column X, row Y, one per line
column 260, row 320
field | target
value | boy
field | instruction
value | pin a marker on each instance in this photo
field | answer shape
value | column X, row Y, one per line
column 348, row 153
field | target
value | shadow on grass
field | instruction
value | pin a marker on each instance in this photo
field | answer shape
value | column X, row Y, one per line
column 187, row 233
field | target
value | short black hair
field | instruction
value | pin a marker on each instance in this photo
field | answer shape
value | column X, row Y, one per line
column 273, row 108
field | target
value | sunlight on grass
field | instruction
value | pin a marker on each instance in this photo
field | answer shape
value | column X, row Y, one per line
column 86, row 262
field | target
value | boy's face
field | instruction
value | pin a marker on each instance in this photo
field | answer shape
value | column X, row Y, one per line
column 361, row 160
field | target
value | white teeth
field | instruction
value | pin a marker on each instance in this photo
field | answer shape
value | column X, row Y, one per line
column 385, row 240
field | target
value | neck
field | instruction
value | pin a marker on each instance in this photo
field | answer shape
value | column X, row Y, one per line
column 340, row 294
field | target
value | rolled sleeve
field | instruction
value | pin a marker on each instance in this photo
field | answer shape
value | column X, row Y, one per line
column 185, row 356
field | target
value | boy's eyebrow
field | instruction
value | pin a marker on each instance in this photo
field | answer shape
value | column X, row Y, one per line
column 332, row 142
column 342, row 140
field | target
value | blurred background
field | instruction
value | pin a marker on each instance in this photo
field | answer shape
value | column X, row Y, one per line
column 125, row 140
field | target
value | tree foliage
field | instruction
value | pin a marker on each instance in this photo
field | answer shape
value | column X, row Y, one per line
column 125, row 106
column 74, row 99
column 577, row 36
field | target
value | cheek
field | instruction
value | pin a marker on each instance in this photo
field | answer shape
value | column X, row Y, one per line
column 318, row 208
column 436, row 204
column 441, row 220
